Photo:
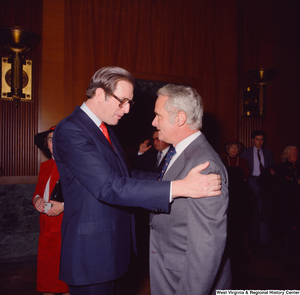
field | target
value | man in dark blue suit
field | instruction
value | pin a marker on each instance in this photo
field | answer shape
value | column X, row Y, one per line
column 97, row 228
column 258, row 158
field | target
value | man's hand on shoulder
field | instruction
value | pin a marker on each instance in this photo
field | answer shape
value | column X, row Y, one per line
column 197, row 185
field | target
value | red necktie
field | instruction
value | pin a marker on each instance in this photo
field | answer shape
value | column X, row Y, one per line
column 105, row 132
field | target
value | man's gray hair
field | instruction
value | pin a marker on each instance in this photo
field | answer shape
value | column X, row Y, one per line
column 185, row 99
column 107, row 79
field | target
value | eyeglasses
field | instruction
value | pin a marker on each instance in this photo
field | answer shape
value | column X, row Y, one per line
column 123, row 101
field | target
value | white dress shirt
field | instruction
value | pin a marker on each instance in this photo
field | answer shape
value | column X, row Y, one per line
column 181, row 146
column 256, row 170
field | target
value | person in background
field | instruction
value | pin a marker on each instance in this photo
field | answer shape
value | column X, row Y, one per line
column 233, row 150
column 240, row 209
column 258, row 158
column 50, row 221
column 150, row 157
column 287, row 175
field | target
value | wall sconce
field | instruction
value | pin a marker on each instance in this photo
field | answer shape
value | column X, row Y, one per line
column 254, row 99
column 16, row 72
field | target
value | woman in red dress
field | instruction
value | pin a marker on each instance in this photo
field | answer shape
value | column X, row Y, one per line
column 50, row 222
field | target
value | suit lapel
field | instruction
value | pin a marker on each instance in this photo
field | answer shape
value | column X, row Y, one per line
column 118, row 150
column 90, row 127
column 179, row 163
column 175, row 169
column 266, row 158
column 251, row 162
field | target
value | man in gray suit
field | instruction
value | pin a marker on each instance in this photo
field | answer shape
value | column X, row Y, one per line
column 187, row 245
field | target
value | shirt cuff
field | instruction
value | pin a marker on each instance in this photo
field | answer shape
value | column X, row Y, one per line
column 170, row 197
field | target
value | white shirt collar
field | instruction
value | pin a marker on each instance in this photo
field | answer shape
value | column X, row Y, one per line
column 181, row 146
column 163, row 152
column 92, row 116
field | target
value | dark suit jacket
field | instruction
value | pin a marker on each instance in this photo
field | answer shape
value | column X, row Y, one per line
column 248, row 155
column 147, row 161
column 96, row 184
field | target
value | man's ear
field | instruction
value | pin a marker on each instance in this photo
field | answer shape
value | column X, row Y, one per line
column 100, row 95
column 181, row 118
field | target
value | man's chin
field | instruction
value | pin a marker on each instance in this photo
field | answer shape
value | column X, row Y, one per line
column 160, row 137
column 114, row 122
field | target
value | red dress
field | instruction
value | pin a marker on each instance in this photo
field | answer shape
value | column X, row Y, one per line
column 50, row 237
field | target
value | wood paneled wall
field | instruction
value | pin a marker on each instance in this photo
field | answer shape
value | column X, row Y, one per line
column 268, row 38
column 208, row 44
column 18, row 126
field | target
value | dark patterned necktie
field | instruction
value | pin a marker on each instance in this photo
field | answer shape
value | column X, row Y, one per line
column 169, row 156
column 261, row 166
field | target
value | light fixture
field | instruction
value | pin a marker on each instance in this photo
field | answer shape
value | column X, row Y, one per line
column 254, row 99
column 16, row 72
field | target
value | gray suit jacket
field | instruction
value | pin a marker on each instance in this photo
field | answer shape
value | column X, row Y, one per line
column 187, row 245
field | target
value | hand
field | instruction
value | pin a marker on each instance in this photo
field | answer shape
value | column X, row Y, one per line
column 144, row 146
column 197, row 185
column 56, row 209
column 39, row 204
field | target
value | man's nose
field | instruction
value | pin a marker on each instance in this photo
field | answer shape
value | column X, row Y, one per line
column 154, row 122
column 126, row 108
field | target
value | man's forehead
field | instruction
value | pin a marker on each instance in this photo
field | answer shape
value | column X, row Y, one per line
column 124, row 87
column 162, row 99
column 258, row 137
column 122, row 83
column 160, row 104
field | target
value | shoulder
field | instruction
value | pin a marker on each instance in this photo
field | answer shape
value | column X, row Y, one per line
column 73, row 118
column 76, row 123
column 200, row 148
column 200, row 151
column 267, row 151
column 247, row 151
